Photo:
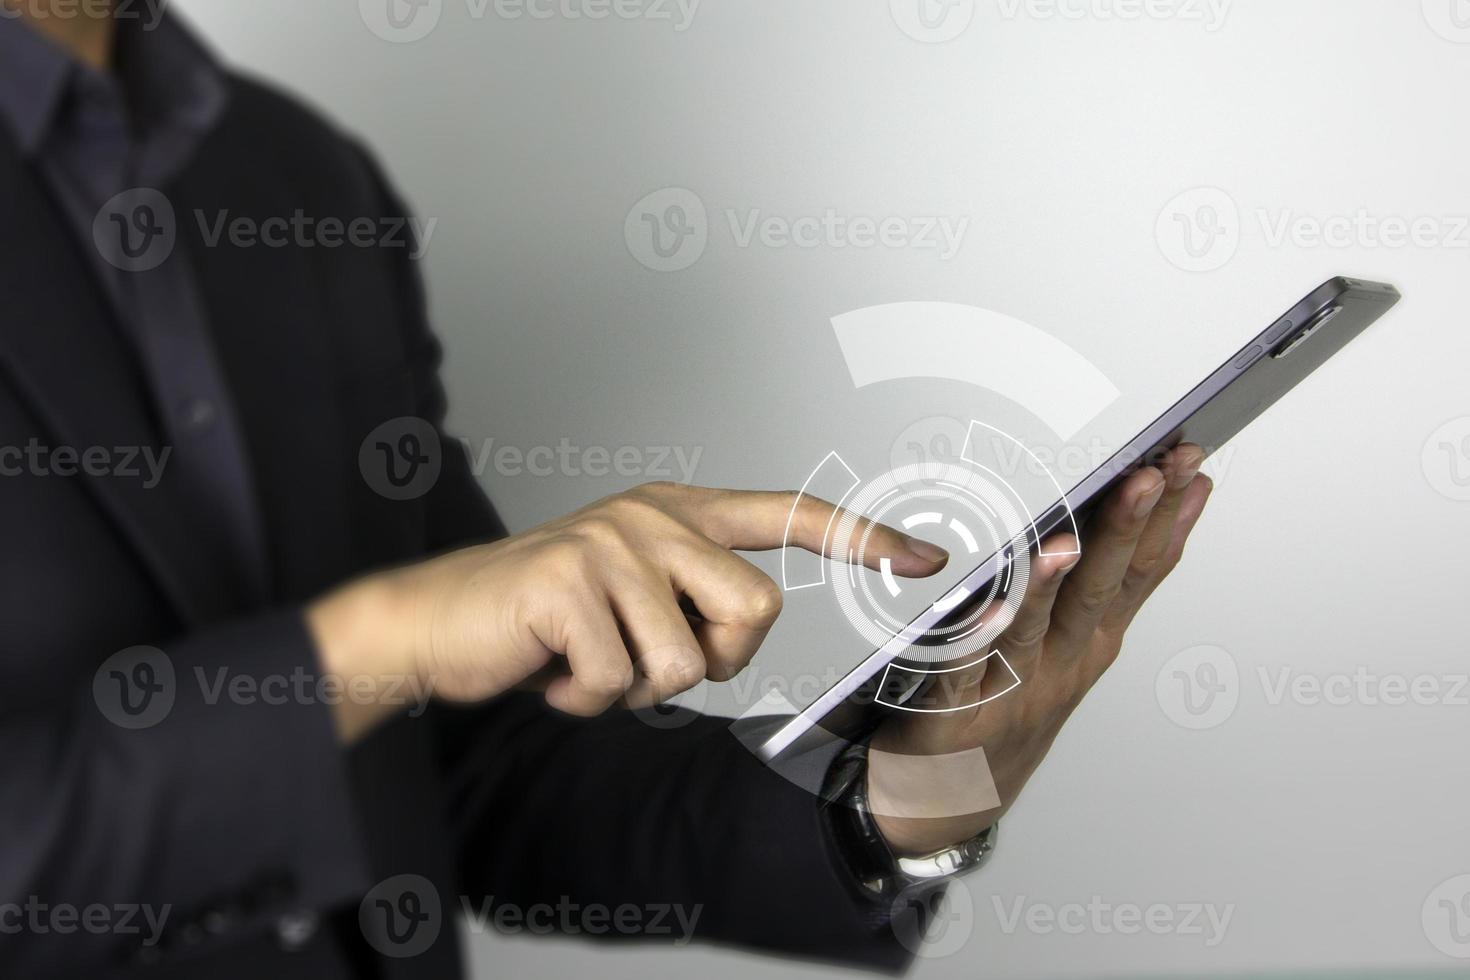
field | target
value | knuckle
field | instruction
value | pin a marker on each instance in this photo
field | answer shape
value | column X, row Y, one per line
column 568, row 558
column 1171, row 560
column 1075, row 691
column 1094, row 602
column 652, row 494
column 1112, row 632
column 1147, row 566
column 635, row 505
column 763, row 604
column 607, row 681
column 1135, row 585
column 723, row 670
column 581, row 708
column 1029, row 634
column 682, row 671
column 638, row 518
column 602, row 532
column 728, row 666
column 1108, row 656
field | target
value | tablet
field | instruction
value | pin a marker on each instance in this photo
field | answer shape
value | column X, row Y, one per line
column 1266, row 368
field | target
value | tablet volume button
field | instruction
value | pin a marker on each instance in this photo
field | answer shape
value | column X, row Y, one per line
column 1249, row 357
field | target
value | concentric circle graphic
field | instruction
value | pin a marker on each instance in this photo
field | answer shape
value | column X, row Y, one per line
column 957, row 501
column 929, row 499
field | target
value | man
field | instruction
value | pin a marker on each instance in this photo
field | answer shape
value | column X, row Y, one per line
column 163, row 815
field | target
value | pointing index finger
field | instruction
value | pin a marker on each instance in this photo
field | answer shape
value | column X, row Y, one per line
column 761, row 521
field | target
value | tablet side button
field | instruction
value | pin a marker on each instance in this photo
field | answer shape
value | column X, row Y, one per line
column 1249, row 357
column 1280, row 330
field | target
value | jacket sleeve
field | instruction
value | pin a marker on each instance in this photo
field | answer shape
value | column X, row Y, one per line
column 614, row 811
column 156, row 815
column 676, row 818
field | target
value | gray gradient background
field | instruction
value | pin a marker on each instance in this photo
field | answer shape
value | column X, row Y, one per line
column 1327, row 548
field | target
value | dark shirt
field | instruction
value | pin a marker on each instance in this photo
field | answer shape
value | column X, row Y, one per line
column 108, row 145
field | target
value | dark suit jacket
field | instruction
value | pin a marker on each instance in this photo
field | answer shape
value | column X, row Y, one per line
column 246, row 821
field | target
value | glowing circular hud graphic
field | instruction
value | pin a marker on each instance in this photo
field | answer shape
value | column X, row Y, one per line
column 968, row 513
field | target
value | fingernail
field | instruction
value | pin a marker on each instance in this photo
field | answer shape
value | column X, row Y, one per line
column 1149, row 500
column 1184, row 475
column 931, row 553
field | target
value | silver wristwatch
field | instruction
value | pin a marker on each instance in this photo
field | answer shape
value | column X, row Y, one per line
column 879, row 872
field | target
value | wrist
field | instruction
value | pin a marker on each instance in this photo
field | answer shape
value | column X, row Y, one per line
column 925, row 803
column 918, row 836
column 879, row 868
column 365, row 642
column 915, row 837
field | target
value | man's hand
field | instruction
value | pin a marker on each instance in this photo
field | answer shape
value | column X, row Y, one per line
column 635, row 598
column 1067, row 632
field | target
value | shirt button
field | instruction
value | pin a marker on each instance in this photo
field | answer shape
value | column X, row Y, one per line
column 218, row 921
column 199, row 415
column 146, row 956
column 296, row 930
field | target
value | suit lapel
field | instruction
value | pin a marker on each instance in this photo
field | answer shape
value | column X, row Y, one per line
column 61, row 349
column 270, row 321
